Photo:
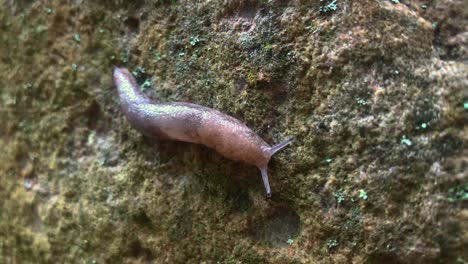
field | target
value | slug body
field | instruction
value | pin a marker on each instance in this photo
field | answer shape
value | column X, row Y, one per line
column 193, row 123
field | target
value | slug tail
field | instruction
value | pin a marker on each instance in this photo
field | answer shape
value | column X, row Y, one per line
column 129, row 91
column 280, row 146
column 265, row 180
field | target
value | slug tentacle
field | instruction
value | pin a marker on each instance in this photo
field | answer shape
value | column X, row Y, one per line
column 280, row 146
column 263, row 170
column 193, row 123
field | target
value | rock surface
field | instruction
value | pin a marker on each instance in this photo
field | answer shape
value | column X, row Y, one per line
column 375, row 93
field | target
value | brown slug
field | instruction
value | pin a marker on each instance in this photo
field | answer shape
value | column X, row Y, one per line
column 193, row 123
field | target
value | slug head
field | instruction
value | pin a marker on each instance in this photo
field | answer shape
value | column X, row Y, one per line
column 264, row 168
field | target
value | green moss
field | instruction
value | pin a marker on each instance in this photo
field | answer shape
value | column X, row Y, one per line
column 332, row 242
column 406, row 141
column 77, row 37
column 458, row 193
column 250, row 76
column 363, row 194
column 194, row 40
column 339, row 196
column 328, row 7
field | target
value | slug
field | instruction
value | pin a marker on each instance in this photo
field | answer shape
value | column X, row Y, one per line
column 193, row 123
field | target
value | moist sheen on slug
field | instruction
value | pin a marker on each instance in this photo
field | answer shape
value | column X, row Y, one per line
column 193, row 123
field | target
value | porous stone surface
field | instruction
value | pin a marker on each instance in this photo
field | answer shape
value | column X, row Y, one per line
column 374, row 92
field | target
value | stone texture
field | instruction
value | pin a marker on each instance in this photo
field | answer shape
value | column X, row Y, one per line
column 375, row 93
